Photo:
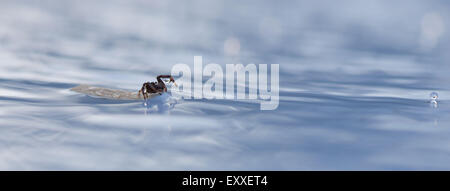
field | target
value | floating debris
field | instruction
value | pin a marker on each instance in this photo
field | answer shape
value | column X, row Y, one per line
column 111, row 93
column 433, row 99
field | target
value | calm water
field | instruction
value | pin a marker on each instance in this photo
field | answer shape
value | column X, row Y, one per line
column 354, row 84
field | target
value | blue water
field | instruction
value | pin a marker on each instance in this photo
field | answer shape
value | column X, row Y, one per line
column 355, row 78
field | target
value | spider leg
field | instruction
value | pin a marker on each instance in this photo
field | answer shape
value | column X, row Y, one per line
column 144, row 91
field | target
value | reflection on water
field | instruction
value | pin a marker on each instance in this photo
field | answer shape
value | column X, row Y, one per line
column 160, row 104
column 354, row 84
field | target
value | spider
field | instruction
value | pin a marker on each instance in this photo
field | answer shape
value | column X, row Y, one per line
column 155, row 87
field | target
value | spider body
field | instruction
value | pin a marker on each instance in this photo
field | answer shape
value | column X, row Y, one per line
column 155, row 87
